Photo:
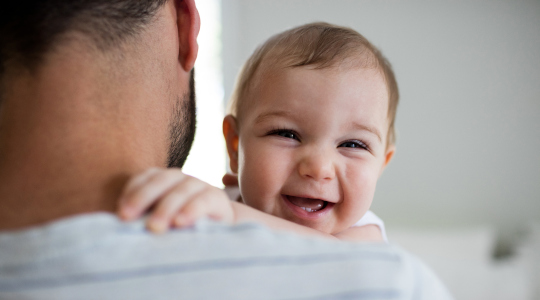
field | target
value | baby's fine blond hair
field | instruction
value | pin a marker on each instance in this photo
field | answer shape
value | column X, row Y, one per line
column 319, row 46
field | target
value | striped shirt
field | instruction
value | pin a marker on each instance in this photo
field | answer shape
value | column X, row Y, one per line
column 96, row 256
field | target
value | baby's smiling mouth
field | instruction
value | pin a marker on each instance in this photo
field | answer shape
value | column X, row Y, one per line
column 307, row 204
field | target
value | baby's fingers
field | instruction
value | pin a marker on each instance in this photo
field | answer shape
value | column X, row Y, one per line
column 230, row 179
column 146, row 189
column 212, row 203
column 170, row 203
column 138, row 180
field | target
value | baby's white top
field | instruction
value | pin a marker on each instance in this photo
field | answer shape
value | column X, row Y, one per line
column 370, row 218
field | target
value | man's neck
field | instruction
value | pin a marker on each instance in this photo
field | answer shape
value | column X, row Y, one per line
column 67, row 145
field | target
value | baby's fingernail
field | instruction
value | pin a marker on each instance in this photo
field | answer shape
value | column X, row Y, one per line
column 127, row 212
column 157, row 225
column 182, row 220
column 179, row 220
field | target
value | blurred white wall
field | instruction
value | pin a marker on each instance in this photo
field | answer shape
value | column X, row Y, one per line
column 207, row 158
column 469, row 117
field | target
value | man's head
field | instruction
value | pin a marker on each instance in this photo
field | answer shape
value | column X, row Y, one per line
column 91, row 93
column 31, row 29
column 121, row 33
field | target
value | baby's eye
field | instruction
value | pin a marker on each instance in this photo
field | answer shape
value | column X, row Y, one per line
column 286, row 133
column 354, row 144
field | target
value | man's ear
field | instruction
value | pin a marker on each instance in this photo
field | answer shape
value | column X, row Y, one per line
column 388, row 157
column 230, row 132
column 189, row 23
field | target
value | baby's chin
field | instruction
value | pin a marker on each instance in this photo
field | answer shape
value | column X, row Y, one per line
column 325, row 226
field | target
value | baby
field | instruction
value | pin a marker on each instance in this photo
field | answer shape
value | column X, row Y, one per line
column 310, row 131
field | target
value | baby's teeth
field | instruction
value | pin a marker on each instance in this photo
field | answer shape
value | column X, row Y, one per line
column 307, row 209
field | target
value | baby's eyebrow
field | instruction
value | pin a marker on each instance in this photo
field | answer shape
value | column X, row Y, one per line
column 276, row 113
column 371, row 129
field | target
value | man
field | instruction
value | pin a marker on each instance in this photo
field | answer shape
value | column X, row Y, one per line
column 95, row 91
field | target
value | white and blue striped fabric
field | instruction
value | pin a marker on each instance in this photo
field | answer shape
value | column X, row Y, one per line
column 96, row 256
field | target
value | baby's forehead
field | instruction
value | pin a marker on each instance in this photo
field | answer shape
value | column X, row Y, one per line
column 275, row 65
column 349, row 77
column 268, row 73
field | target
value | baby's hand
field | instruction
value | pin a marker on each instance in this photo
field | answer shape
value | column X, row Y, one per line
column 178, row 199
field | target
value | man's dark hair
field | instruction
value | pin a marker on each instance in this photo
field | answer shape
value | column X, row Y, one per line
column 29, row 29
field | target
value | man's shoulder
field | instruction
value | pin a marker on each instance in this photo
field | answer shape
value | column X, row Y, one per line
column 110, row 259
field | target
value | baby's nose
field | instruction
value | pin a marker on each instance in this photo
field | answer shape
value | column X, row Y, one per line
column 317, row 165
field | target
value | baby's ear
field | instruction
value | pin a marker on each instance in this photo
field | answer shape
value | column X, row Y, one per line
column 391, row 149
column 230, row 132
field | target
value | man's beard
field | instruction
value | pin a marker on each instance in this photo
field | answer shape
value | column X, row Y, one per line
column 182, row 127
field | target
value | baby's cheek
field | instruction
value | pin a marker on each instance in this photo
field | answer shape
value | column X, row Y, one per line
column 359, row 177
column 257, row 181
column 248, row 184
column 360, row 187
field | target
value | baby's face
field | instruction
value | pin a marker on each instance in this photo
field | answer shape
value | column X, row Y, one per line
column 313, row 145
